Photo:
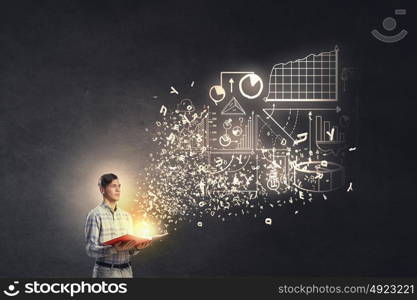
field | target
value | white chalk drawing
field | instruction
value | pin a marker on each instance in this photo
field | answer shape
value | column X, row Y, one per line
column 252, row 81
column 314, row 177
column 233, row 108
column 312, row 78
column 329, row 138
column 250, row 154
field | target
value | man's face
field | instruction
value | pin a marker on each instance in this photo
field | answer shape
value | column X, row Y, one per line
column 112, row 191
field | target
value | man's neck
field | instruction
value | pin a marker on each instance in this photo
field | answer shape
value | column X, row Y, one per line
column 110, row 203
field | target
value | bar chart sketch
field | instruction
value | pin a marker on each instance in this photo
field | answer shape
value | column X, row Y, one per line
column 329, row 138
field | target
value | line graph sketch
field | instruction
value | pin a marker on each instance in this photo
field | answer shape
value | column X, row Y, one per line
column 312, row 78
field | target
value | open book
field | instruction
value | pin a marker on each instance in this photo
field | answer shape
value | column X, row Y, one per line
column 137, row 239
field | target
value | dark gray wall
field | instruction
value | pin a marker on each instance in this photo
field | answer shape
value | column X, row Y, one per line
column 77, row 80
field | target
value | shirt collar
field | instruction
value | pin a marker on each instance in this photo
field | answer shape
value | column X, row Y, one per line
column 105, row 205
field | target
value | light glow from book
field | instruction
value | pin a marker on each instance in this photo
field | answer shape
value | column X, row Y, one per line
column 145, row 229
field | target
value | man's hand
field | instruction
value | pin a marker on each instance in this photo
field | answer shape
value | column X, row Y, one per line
column 123, row 246
column 143, row 245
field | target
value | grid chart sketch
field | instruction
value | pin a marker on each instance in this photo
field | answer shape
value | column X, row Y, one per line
column 312, row 78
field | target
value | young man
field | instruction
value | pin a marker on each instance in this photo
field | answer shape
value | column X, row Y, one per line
column 105, row 222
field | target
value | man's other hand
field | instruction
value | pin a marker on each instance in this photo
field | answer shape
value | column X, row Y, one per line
column 123, row 246
column 143, row 245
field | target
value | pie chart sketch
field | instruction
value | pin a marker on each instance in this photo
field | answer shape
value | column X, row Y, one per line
column 225, row 140
column 251, row 86
column 217, row 93
column 237, row 131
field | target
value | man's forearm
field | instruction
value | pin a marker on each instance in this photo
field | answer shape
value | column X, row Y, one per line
column 100, row 251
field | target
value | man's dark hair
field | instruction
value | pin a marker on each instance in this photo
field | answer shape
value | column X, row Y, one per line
column 106, row 179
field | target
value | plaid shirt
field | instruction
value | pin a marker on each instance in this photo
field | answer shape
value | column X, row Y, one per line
column 103, row 224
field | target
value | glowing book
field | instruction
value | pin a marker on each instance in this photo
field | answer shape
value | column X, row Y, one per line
column 137, row 239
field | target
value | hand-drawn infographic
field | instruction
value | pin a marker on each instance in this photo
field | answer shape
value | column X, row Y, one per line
column 252, row 145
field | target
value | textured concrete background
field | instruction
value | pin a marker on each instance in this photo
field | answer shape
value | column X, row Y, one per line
column 77, row 80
